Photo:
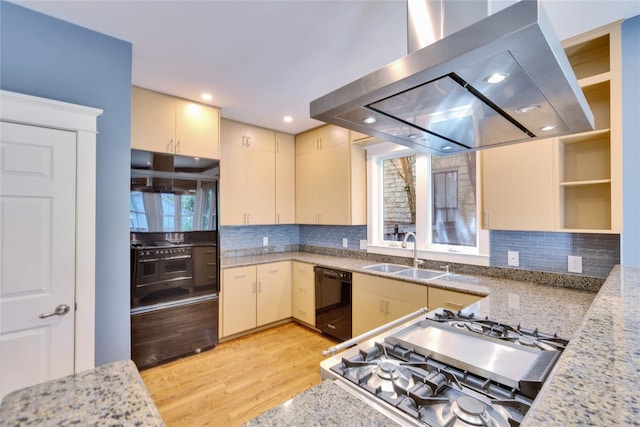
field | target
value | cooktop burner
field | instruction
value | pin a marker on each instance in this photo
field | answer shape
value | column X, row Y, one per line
column 452, row 370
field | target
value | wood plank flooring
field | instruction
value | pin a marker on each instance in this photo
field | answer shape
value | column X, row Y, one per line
column 239, row 379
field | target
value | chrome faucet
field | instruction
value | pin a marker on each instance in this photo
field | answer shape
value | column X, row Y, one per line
column 416, row 261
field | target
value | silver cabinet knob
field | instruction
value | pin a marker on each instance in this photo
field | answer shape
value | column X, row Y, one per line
column 60, row 310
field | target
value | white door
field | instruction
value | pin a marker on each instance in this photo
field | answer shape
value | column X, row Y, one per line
column 37, row 254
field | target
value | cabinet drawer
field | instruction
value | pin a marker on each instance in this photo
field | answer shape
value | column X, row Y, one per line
column 274, row 270
column 444, row 298
column 304, row 310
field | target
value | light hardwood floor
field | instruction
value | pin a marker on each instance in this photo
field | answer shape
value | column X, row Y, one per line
column 239, row 379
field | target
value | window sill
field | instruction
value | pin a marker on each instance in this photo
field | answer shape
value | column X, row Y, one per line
column 431, row 255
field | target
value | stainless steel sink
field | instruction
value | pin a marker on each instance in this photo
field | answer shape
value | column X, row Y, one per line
column 418, row 273
column 385, row 267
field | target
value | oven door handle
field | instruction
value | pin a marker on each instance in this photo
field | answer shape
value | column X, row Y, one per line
column 362, row 337
column 149, row 260
column 173, row 258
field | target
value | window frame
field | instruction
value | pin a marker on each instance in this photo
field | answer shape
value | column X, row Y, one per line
column 376, row 154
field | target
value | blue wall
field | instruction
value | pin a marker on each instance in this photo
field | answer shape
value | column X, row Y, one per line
column 631, row 138
column 49, row 58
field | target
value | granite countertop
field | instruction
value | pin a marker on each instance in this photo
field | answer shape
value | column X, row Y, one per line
column 109, row 395
column 595, row 382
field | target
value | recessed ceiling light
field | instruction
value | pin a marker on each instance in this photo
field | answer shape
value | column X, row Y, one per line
column 447, row 147
column 495, row 78
column 287, row 119
column 414, row 136
column 369, row 120
column 206, row 96
column 547, row 127
column 527, row 108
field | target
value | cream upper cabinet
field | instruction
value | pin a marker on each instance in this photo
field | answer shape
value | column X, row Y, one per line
column 254, row 296
column 517, row 186
column 330, row 178
column 452, row 300
column 572, row 183
column 164, row 124
column 247, row 174
column 285, row 179
column 304, row 293
column 378, row 300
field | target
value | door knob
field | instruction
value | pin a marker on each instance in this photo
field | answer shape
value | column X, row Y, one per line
column 60, row 310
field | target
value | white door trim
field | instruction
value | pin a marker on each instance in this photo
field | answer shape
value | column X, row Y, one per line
column 30, row 110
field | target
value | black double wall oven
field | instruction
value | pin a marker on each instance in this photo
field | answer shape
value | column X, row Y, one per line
column 173, row 216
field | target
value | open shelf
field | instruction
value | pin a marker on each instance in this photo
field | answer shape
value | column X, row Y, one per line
column 599, row 99
column 585, row 157
column 589, row 58
column 587, row 207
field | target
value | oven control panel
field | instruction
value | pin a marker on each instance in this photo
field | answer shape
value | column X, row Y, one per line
column 164, row 252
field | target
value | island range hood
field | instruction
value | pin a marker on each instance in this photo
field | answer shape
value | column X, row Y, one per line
column 501, row 80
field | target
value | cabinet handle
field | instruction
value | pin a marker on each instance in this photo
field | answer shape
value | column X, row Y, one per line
column 254, row 287
column 382, row 305
column 248, row 141
column 259, row 286
column 387, row 304
column 455, row 304
column 240, row 276
column 277, row 218
column 320, row 139
column 178, row 147
column 170, row 146
column 248, row 218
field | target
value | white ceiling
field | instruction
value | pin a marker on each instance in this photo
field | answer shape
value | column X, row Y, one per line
column 262, row 60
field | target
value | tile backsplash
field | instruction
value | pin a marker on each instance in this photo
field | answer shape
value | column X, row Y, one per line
column 546, row 251
column 538, row 251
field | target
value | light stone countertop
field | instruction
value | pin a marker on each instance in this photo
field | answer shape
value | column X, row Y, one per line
column 109, row 395
column 595, row 382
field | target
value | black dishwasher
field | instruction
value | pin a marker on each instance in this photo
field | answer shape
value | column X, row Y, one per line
column 333, row 302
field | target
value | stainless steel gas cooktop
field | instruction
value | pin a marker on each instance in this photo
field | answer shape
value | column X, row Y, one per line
column 449, row 369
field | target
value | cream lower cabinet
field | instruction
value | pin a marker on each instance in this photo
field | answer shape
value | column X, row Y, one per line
column 304, row 306
column 254, row 296
column 452, row 300
column 378, row 300
column 164, row 124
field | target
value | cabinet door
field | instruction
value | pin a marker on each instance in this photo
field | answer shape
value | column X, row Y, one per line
column 261, row 176
column 238, row 296
column 334, row 185
column 307, row 181
column 285, row 179
column 396, row 308
column 307, row 142
column 304, row 293
column 274, row 292
column 518, row 186
column 152, row 121
column 445, row 298
column 197, row 130
column 233, row 174
column 368, row 311
column 331, row 135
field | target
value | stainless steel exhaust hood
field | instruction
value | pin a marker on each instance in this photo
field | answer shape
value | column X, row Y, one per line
column 501, row 80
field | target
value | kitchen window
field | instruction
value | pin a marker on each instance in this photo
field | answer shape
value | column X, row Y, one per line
column 435, row 197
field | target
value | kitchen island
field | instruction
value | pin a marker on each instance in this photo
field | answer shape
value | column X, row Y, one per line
column 595, row 381
column 109, row 395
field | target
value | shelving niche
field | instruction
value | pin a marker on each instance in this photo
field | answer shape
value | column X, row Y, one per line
column 589, row 164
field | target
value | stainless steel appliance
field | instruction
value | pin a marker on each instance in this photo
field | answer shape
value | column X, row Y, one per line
column 448, row 369
column 333, row 302
column 503, row 79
